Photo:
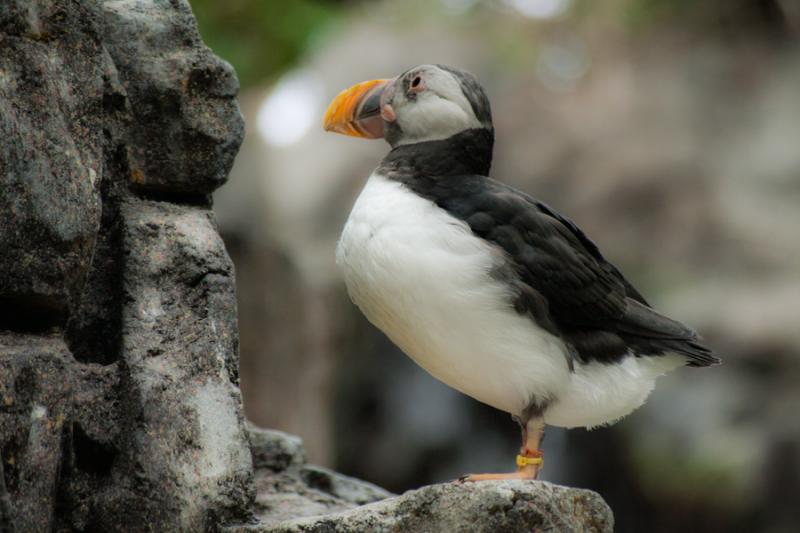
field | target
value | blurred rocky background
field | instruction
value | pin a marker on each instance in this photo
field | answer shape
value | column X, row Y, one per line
column 668, row 130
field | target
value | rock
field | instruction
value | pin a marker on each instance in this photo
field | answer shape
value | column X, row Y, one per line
column 51, row 93
column 286, row 487
column 507, row 506
column 36, row 384
column 294, row 497
column 275, row 450
column 6, row 519
column 119, row 404
column 156, row 436
column 188, row 128
column 180, row 293
column 183, row 438
column 343, row 487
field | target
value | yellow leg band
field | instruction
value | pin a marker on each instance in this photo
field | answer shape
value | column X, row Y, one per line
column 525, row 461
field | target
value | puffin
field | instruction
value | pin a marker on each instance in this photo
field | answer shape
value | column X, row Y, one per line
column 488, row 289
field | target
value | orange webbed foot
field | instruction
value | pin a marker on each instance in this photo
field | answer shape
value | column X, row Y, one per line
column 528, row 465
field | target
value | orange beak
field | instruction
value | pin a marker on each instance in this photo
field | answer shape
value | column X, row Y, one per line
column 357, row 111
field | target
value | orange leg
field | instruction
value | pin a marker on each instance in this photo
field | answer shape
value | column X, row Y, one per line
column 529, row 460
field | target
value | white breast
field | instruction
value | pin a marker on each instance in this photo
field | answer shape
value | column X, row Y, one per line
column 424, row 279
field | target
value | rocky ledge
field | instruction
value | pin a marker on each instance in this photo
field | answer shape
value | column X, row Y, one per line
column 294, row 497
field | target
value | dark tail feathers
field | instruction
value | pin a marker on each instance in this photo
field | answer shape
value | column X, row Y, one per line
column 656, row 334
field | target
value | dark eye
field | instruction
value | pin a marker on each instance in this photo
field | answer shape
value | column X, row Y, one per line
column 416, row 82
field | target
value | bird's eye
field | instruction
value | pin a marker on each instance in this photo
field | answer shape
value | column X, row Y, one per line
column 417, row 80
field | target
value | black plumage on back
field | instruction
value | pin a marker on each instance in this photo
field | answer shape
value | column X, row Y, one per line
column 556, row 274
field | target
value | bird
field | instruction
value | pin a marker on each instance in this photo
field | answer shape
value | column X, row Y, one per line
column 488, row 289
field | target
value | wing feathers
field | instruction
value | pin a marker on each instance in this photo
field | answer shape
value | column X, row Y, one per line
column 558, row 275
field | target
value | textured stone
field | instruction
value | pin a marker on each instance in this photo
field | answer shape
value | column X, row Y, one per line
column 119, row 405
column 35, row 398
column 186, row 441
column 188, row 127
column 50, row 154
column 507, row 506
column 156, row 439
column 275, row 450
column 294, row 497
column 180, row 290
column 287, row 487
column 345, row 488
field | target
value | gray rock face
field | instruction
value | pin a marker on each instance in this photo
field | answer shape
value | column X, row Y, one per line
column 179, row 288
column 51, row 92
column 119, row 404
column 179, row 350
column 35, row 396
column 274, row 450
column 188, row 127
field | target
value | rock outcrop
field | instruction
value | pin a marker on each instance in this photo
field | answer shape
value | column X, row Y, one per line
column 294, row 497
column 119, row 400
column 507, row 506
column 287, row 487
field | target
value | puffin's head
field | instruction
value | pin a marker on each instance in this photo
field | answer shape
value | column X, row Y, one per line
column 426, row 103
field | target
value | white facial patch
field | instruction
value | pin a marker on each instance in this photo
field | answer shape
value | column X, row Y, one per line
column 439, row 112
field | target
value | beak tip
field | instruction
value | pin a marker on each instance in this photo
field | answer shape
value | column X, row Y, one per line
column 327, row 121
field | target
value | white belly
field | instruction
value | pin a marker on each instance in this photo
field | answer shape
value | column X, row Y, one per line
column 423, row 278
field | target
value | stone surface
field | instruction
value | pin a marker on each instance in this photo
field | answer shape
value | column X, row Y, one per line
column 345, row 488
column 179, row 351
column 36, row 384
column 119, row 404
column 51, row 92
column 287, row 487
column 294, row 497
column 179, row 291
column 188, row 127
column 156, row 437
column 508, row 506
column 275, row 450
